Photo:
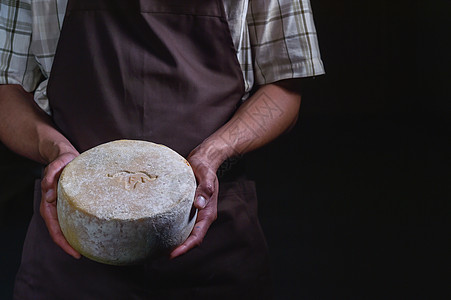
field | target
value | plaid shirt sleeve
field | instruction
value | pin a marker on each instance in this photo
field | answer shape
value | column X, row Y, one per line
column 282, row 39
column 17, row 64
column 275, row 40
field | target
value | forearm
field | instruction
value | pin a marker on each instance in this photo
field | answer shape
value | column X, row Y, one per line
column 27, row 130
column 266, row 115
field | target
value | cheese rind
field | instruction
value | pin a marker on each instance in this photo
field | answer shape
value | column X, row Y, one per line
column 124, row 201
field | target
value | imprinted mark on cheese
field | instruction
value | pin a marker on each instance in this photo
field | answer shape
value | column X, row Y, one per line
column 131, row 180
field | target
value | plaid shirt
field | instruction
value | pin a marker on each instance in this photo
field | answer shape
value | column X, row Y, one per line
column 275, row 40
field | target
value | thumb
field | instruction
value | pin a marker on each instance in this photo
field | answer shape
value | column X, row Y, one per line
column 200, row 202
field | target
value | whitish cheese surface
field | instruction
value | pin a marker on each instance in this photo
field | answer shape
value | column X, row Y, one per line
column 121, row 202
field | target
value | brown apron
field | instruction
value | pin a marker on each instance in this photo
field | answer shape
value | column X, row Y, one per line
column 164, row 71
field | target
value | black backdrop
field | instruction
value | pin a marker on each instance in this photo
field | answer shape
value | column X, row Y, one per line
column 354, row 199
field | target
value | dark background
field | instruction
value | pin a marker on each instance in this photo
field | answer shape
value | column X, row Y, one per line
column 353, row 200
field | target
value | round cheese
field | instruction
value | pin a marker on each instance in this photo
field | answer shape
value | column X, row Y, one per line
column 125, row 201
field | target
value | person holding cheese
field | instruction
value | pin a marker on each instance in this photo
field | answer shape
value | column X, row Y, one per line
column 209, row 79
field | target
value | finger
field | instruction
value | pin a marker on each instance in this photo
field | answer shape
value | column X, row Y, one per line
column 203, row 172
column 206, row 191
column 195, row 239
column 205, row 218
column 49, row 214
column 53, row 171
column 48, row 206
column 203, row 196
column 50, row 180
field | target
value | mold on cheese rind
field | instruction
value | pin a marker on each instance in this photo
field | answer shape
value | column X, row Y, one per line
column 125, row 221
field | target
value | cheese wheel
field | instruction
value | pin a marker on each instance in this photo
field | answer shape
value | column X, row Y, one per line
column 125, row 201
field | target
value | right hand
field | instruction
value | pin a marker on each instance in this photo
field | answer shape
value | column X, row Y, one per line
column 48, row 202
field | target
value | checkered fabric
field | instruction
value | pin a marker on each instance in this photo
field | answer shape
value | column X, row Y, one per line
column 275, row 40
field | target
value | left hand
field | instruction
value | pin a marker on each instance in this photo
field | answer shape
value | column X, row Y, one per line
column 276, row 106
column 205, row 200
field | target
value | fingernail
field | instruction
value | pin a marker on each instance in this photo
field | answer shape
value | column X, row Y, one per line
column 201, row 201
column 48, row 194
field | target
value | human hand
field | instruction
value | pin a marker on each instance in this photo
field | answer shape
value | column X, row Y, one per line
column 205, row 200
column 48, row 202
